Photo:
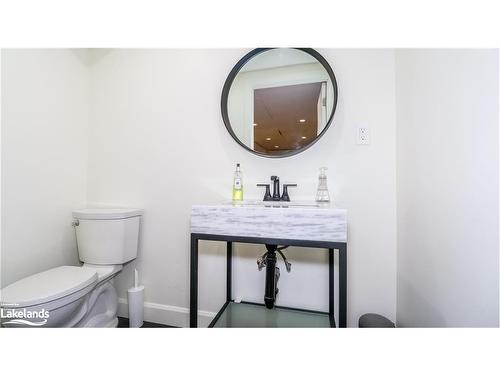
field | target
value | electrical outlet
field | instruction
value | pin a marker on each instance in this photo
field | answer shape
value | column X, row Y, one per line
column 363, row 136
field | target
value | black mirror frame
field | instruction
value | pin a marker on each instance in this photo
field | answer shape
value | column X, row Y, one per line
column 235, row 71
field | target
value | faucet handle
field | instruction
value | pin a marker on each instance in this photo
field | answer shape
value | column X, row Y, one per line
column 267, row 195
column 285, row 197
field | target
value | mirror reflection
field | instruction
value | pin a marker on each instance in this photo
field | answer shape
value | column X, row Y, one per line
column 280, row 101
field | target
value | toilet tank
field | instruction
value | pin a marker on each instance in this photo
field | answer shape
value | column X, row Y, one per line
column 107, row 235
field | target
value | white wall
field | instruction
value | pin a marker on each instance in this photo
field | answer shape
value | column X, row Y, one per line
column 447, row 167
column 157, row 140
column 44, row 158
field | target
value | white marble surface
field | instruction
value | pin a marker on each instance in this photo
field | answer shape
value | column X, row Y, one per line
column 299, row 221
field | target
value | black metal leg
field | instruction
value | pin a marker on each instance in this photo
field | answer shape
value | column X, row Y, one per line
column 331, row 290
column 229, row 270
column 343, row 286
column 193, row 300
column 342, row 247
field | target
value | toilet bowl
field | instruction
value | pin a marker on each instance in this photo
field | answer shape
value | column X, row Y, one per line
column 72, row 296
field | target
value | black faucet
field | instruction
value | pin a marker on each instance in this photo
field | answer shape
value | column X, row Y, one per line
column 276, row 190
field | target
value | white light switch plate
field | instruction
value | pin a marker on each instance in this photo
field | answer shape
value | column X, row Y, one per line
column 363, row 136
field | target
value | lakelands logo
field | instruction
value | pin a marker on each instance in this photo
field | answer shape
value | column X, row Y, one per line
column 11, row 317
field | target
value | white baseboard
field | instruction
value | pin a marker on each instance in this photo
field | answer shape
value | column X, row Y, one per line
column 164, row 314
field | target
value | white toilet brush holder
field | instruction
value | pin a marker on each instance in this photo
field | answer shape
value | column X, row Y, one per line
column 136, row 303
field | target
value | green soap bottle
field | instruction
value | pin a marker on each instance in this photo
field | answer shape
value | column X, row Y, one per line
column 238, row 184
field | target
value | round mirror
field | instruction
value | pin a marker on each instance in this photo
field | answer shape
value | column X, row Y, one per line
column 277, row 102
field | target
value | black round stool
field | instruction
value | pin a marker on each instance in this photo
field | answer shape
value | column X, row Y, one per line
column 374, row 321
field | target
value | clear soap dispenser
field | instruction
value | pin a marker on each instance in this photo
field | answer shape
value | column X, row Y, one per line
column 322, row 195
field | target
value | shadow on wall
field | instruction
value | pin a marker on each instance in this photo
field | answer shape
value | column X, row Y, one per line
column 90, row 56
column 422, row 314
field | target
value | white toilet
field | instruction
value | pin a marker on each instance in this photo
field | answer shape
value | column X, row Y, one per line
column 70, row 296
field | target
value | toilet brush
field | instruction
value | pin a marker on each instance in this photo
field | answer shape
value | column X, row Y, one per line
column 136, row 303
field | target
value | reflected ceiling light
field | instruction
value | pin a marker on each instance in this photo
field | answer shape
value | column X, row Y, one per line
column 254, row 124
column 303, row 137
column 268, row 139
column 276, row 146
column 302, row 120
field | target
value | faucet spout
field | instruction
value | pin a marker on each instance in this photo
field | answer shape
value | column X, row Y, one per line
column 276, row 188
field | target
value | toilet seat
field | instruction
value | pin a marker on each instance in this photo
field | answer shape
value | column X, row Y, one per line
column 47, row 286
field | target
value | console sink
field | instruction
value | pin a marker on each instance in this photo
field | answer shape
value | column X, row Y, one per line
column 283, row 220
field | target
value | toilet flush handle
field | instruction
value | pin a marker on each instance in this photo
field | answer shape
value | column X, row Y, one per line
column 75, row 223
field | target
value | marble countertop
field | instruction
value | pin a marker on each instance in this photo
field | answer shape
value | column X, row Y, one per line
column 287, row 220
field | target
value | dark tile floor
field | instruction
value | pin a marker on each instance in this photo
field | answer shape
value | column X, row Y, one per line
column 123, row 323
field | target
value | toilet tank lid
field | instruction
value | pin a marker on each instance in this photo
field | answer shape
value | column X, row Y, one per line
column 47, row 286
column 106, row 213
